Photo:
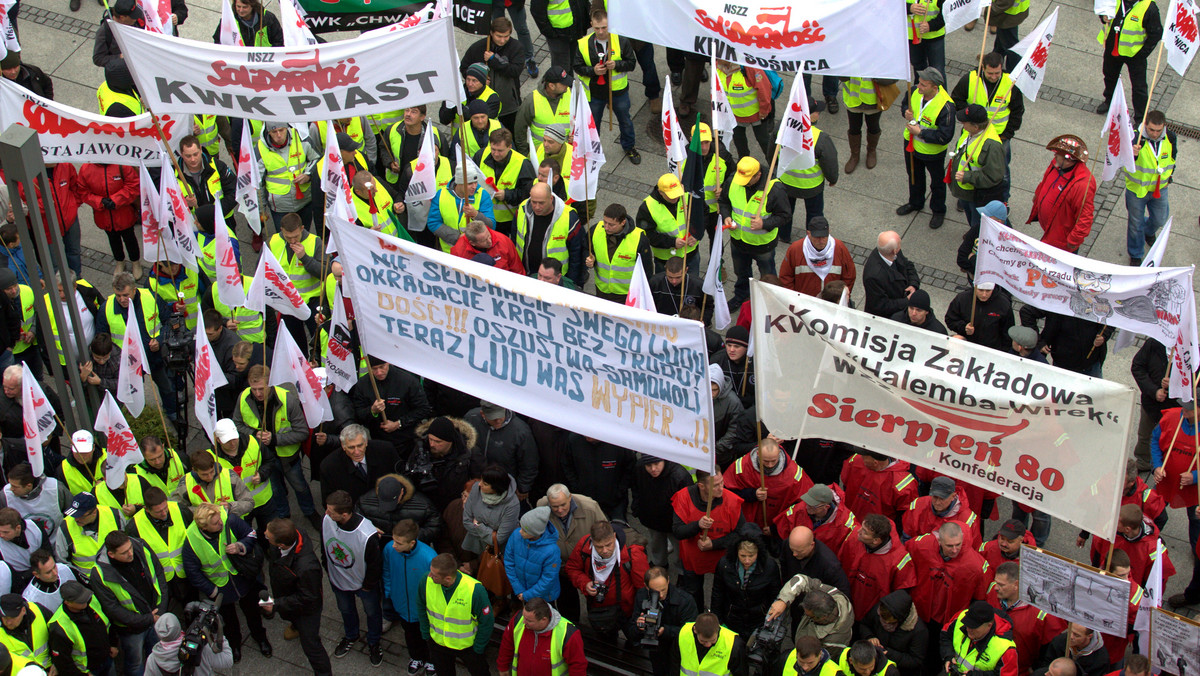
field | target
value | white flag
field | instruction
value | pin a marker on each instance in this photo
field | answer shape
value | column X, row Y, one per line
column 154, row 24
column 273, row 288
column 230, row 289
column 958, row 13
column 120, row 445
column 1106, row 8
column 724, row 121
column 588, row 154
column 1182, row 37
column 639, row 295
column 38, row 418
column 1153, row 259
column 248, row 180
column 797, row 147
column 424, row 178
column 535, row 150
column 1118, row 136
column 712, row 282
column 131, row 376
column 7, row 30
column 431, row 11
column 289, row 365
column 1184, row 356
column 333, row 180
column 228, row 32
column 1030, row 71
column 672, row 134
column 340, row 368
column 153, row 242
column 1153, row 592
column 208, row 377
column 295, row 31
column 175, row 210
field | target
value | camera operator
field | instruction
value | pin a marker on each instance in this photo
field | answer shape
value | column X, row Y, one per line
column 215, row 655
column 296, row 585
column 674, row 607
column 609, row 572
column 828, row 614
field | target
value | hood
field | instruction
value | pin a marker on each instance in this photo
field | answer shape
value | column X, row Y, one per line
column 409, row 489
column 731, row 553
column 170, row 636
column 467, row 434
column 716, row 374
column 1097, row 643
column 555, row 618
column 900, row 605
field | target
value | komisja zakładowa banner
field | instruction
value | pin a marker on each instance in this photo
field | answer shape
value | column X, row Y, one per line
column 633, row 378
column 69, row 134
column 471, row 16
column 1042, row 436
column 366, row 75
column 852, row 38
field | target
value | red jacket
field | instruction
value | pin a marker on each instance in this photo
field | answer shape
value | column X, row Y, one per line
column 1140, row 551
column 783, row 488
column 945, row 588
column 874, row 575
column 1064, row 211
column 63, row 184
column 994, row 557
column 920, row 519
column 795, row 273
column 888, row 492
column 836, row 531
column 120, row 184
column 503, row 251
column 1116, row 645
column 1031, row 630
column 533, row 655
column 975, row 494
column 631, row 574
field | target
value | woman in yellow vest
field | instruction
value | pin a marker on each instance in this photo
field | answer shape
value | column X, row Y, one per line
column 862, row 103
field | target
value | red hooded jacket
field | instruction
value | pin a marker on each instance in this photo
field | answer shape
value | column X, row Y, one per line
column 1063, row 206
column 946, row 588
column 121, row 185
column 503, row 251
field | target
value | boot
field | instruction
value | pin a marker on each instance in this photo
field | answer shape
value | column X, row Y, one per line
column 872, row 142
column 855, row 145
column 656, row 106
column 119, row 267
column 136, row 269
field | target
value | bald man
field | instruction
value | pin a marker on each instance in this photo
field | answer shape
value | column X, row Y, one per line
column 784, row 483
column 547, row 228
column 888, row 277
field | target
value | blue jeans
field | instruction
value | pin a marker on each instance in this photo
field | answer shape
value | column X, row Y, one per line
column 928, row 54
column 1041, row 524
column 135, row 648
column 1140, row 227
column 71, row 245
column 972, row 214
column 645, row 59
column 166, row 389
column 829, row 85
column 292, row 470
column 372, row 602
column 1007, row 170
column 520, row 24
column 742, row 263
column 621, row 110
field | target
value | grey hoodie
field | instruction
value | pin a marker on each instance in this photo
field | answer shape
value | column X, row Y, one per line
column 726, row 405
column 164, row 658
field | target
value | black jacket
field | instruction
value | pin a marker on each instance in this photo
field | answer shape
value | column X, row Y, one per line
column 124, row 620
column 338, row 472
column 35, row 80
column 296, row 578
column 580, row 24
column 601, row 471
column 105, row 47
column 1016, row 101
column 412, row 505
column 652, row 495
column 667, row 297
column 822, row 564
column 405, row 402
column 199, row 186
column 931, row 322
column 1149, row 367
column 96, row 638
column 511, row 446
column 678, row 608
column 1151, row 23
column 505, row 69
column 906, row 644
column 885, row 284
column 10, row 322
column 442, row 478
column 778, row 208
column 1094, row 663
column 742, row 603
column 1072, row 340
column 993, row 319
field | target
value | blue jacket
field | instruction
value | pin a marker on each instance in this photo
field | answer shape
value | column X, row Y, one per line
column 435, row 211
column 403, row 575
column 532, row 565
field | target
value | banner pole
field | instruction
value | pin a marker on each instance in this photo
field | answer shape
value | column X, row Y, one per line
column 612, row 112
column 763, row 202
column 183, row 184
column 1153, row 84
column 687, row 232
column 762, row 475
column 973, row 299
column 912, row 175
column 1175, row 436
column 983, row 42
column 1098, row 335
column 1195, row 440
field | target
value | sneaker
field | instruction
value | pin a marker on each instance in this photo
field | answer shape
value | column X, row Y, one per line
column 531, row 67
column 634, row 156
column 414, row 667
column 430, row 670
column 376, row 654
column 344, row 646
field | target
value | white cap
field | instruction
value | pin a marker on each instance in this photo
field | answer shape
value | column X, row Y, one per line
column 82, row 442
column 225, row 430
column 985, row 286
column 319, row 372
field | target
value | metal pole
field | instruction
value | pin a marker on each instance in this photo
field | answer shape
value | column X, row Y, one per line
column 21, row 156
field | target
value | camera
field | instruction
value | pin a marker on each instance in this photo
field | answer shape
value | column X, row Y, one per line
column 651, row 617
column 203, row 628
column 766, row 643
column 601, row 591
column 178, row 344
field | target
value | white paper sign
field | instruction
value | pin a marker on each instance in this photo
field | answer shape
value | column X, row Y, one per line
column 1074, row 592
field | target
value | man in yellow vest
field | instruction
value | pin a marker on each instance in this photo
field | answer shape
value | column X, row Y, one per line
column 162, row 526
column 809, row 658
column 285, row 163
column 178, row 290
column 302, row 255
column 205, row 179
column 753, row 109
column 373, row 205
column 475, row 85
column 547, row 227
column 930, row 128
column 83, row 468
column 1129, row 37
column 161, row 467
column 1155, row 153
column 539, row 636
column 562, row 22
column 480, row 125
column 754, row 206
column 706, row 647
column 252, row 464
column 456, row 617
column 132, row 592
column 662, row 216
column 928, row 49
column 80, row 640
column 809, row 184
column 85, row 525
column 209, row 483
column 547, row 105
column 976, row 166
column 509, row 173
column 718, row 163
column 993, row 89
column 864, row 658
column 1007, row 17
column 24, row 630
column 978, row 639
column 353, row 135
column 617, row 246
column 118, row 96
column 459, row 203
column 602, row 61
column 22, row 306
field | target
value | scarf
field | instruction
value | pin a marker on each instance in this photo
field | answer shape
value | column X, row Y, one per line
column 602, row 568
column 492, row 499
column 820, row 261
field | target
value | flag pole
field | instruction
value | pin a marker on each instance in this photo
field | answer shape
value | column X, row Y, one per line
column 973, row 298
column 912, row 171
column 1175, row 436
column 687, row 232
column 612, row 112
column 762, row 475
column 763, row 202
column 983, row 42
column 1153, row 84
column 1195, row 439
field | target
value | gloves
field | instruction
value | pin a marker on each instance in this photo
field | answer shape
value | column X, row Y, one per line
column 107, row 203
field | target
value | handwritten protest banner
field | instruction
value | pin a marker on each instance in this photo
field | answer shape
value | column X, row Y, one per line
column 1174, row 644
column 1039, row 435
column 1074, row 592
column 630, row 377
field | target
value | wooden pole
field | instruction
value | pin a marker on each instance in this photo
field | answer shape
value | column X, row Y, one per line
column 745, row 371
column 983, row 42
column 762, row 474
column 612, row 112
column 1098, row 335
column 687, row 232
column 1173, row 438
column 708, row 505
column 1153, row 84
column 762, row 203
column 912, row 170
column 973, row 296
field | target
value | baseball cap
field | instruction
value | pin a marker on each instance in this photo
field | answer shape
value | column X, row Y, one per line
column 82, row 442
column 979, row 613
column 1013, row 529
column 973, row 113
column 225, row 430
column 819, row 494
column 818, row 226
column 492, row 411
column 669, row 186
column 75, row 593
column 705, row 132
column 932, row 74
column 11, row 605
column 82, row 504
column 347, row 144
column 389, row 489
column 941, row 487
column 557, row 75
column 747, row 167
column 815, row 106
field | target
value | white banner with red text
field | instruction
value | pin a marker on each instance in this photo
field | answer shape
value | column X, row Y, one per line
column 69, row 134
column 348, row 78
column 853, row 38
column 629, row 377
column 1041, row 436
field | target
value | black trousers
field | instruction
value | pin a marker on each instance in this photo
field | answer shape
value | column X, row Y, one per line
column 121, row 241
column 418, row 647
column 917, row 167
column 254, row 620
column 443, row 660
column 1136, row 65
column 309, row 627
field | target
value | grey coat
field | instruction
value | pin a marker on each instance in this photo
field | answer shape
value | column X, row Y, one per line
column 481, row 519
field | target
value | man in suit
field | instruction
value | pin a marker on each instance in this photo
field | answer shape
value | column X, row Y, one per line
column 888, row 277
column 360, row 464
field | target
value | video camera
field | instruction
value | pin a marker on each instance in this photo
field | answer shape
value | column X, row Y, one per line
column 651, row 618
column 178, row 344
column 203, row 628
column 766, row 643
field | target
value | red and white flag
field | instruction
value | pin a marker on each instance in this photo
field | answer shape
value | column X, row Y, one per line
column 340, row 368
column 227, row 32
column 155, row 23
column 639, row 295
column 672, row 134
column 174, row 210
column 434, row 10
column 423, row 183
column 797, row 145
column 296, row 32
column 1153, row 593
column 230, row 289
column 1030, row 71
column 131, row 375
column 334, row 183
column 588, row 155
column 153, row 242
column 1153, row 259
column 724, row 121
column 208, row 377
column 289, row 365
column 248, row 180
column 712, row 283
column 273, row 288
column 1182, row 38
column 38, row 418
column 120, row 445
column 1118, row 136
column 7, row 31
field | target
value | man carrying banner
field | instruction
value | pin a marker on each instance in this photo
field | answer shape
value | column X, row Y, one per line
column 1031, row 628
column 504, row 59
column 602, row 61
column 982, row 316
column 285, row 162
column 1076, row 344
column 617, row 246
column 930, row 115
column 1129, row 38
column 768, row 481
column 708, row 519
column 1172, row 452
column 1156, row 152
column 663, row 217
column 1149, row 370
column 1063, row 201
column 1138, row 537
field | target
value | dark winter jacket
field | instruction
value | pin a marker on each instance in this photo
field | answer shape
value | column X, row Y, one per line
column 412, row 505
column 727, row 407
column 296, row 577
column 885, row 284
column 338, row 471
column 906, row 644
column 511, row 446
column 1149, row 367
column 678, row 608
column 652, row 495
column 504, row 68
column 741, row 599
column 993, row 319
column 601, row 471
column 1072, row 339
column 443, row 478
column 404, row 400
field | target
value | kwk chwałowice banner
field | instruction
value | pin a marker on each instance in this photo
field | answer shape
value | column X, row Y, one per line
column 854, row 38
column 69, row 134
column 1045, row 437
column 630, row 377
column 366, row 75
column 324, row 16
